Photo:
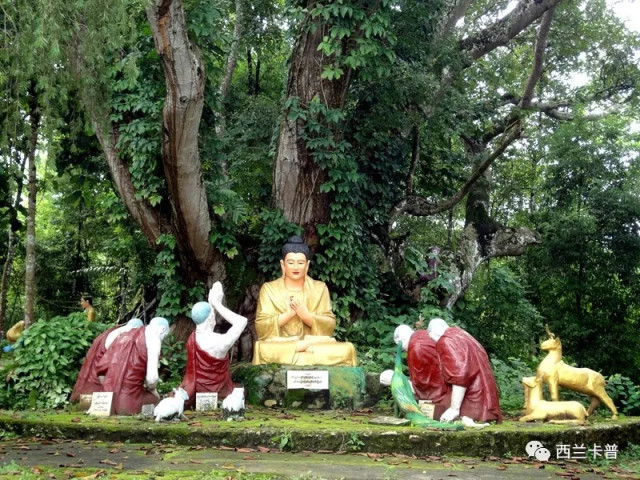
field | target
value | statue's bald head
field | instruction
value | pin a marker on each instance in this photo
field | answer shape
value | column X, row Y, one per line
column 161, row 325
column 200, row 312
column 402, row 334
column 135, row 323
column 436, row 328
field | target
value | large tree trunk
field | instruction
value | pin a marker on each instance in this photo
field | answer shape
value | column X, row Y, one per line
column 297, row 178
column 30, row 260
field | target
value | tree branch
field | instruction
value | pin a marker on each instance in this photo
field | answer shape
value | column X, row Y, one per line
column 503, row 30
column 419, row 206
column 185, row 80
column 232, row 59
column 456, row 10
column 151, row 221
column 538, row 58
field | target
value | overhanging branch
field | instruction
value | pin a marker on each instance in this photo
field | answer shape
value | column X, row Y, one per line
column 505, row 29
column 420, row 206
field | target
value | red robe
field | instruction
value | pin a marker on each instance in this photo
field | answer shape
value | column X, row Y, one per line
column 464, row 362
column 205, row 373
column 124, row 366
column 88, row 381
column 424, row 370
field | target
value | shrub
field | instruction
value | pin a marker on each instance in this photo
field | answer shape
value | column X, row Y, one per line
column 49, row 359
column 508, row 375
column 624, row 393
column 173, row 361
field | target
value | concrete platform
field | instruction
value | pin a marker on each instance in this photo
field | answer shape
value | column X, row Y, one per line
column 323, row 431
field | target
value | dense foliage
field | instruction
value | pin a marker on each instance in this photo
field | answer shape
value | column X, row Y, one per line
column 45, row 366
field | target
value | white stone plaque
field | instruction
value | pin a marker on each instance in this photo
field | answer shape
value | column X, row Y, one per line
column 427, row 407
column 147, row 410
column 206, row 401
column 308, row 379
column 101, row 404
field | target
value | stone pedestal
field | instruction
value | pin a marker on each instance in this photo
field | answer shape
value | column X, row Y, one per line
column 267, row 385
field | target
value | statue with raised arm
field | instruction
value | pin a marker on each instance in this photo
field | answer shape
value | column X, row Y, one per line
column 465, row 366
column 88, row 381
column 130, row 367
column 208, row 352
column 294, row 321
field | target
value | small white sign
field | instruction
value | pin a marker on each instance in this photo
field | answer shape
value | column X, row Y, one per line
column 101, row 404
column 308, row 379
column 147, row 410
column 206, row 401
column 427, row 407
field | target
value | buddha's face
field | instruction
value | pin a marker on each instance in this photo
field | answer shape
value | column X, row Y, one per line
column 294, row 266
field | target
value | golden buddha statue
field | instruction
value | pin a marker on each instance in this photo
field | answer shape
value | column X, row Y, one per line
column 294, row 321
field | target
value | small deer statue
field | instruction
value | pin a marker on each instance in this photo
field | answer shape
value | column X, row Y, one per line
column 535, row 408
column 556, row 374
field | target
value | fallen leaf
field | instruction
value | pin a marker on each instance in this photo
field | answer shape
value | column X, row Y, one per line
column 502, row 467
column 222, row 447
column 262, row 449
column 76, row 420
column 36, row 470
column 248, row 458
column 99, row 473
column 70, row 454
column 245, row 450
column 114, row 450
column 195, row 461
column 108, row 462
column 229, row 466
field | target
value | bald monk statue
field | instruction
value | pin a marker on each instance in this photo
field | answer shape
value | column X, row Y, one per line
column 294, row 321
column 465, row 366
column 208, row 352
column 88, row 381
column 130, row 367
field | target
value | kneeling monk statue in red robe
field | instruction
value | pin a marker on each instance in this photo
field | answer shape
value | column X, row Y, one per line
column 130, row 367
column 434, row 367
column 88, row 381
column 207, row 355
column 465, row 366
column 208, row 352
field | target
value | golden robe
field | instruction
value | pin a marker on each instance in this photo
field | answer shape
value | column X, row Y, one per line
column 296, row 343
column 13, row 334
column 91, row 314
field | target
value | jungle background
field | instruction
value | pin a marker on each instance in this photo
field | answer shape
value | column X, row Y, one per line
column 472, row 160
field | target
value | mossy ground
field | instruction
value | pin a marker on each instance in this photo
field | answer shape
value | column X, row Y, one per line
column 295, row 430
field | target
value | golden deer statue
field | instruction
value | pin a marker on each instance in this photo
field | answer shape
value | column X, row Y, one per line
column 556, row 374
column 535, row 408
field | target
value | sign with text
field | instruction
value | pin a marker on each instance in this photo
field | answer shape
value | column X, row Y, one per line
column 147, row 410
column 206, row 401
column 308, row 379
column 101, row 404
column 427, row 408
